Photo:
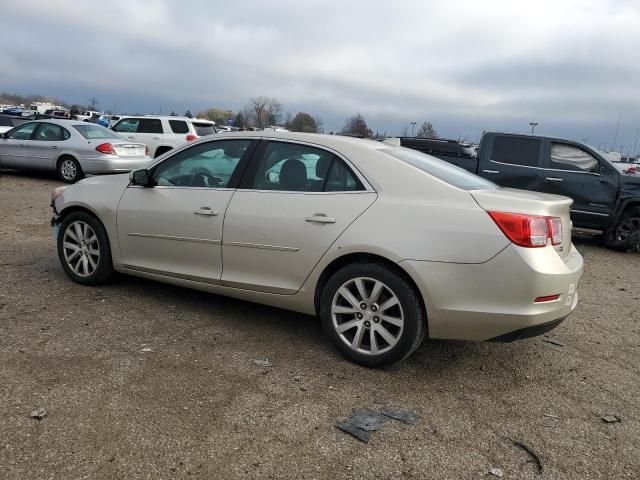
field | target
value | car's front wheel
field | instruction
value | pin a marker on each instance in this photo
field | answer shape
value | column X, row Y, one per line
column 626, row 234
column 83, row 249
column 372, row 314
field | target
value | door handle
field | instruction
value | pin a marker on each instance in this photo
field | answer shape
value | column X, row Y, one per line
column 131, row 138
column 553, row 179
column 156, row 138
column 320, row 218
column 54, row 147
column 491, row 171
column 206, row 211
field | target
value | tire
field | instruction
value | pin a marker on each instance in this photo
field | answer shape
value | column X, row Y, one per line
column 625, row 235
column 79, row 260
column 403, row 325
column 69, row 170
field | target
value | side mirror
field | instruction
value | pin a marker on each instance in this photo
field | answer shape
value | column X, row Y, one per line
column 140, row 177
column 3, row 135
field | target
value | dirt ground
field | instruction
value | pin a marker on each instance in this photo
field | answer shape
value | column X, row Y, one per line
column 145, row 380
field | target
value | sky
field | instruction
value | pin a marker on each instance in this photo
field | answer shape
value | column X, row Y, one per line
column 466, row 66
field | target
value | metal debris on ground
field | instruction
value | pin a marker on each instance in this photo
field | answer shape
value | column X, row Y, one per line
column 553, row 342
column 496, row 472
column 146, row 349
column 610, row 419
column 262, row 362
column 535, row 459
column 39, row 413
column 405, row 416
column 361, row 423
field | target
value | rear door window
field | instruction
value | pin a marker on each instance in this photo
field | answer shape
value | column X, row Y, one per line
column 179, row 126
column 516, row 151
column 150, row 125
column 49, row 132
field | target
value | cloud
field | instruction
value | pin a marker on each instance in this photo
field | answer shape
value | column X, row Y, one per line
column 464, row 65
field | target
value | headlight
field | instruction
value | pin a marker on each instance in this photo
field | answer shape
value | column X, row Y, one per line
column 57, row 192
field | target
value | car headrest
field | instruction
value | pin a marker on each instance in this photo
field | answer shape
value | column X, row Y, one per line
column 293, row 174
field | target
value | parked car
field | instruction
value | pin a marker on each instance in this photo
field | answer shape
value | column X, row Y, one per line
column 163, row 133
column 606, row 201
column 7, row 122
column 440, row 148
column 387, row 245
column 107, row 121
column 69, row 147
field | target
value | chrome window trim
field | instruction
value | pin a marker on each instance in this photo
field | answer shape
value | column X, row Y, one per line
column 542, row 168
column 261, row 246
column 302, row 192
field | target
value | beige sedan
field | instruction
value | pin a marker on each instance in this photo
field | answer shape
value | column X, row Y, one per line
column 385, row 244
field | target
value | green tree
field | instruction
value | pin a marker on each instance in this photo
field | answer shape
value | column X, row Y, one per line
column 239, row 121
column 188, row 114
column 217, row 115
column 303, row 122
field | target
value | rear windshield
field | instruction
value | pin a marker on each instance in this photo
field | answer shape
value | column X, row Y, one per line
column 6, row 122
column 456, row 176
column 203, row 129
column 91, row 132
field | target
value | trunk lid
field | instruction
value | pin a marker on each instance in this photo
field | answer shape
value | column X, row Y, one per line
column 512, row 200
column 129, row 149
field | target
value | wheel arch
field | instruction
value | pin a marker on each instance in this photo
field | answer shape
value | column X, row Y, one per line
column 363, row 257
column 85, row 209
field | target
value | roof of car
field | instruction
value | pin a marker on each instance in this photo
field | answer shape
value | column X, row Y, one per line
column 318, row 138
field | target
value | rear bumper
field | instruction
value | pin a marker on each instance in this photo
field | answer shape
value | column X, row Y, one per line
column 495, row 299
column 114, row 165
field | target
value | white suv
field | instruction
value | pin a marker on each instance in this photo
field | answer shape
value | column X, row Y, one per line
column 162, row 133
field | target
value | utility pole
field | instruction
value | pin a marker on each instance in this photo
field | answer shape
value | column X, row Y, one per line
column 636, row 142
column 533, row 126
column 413, row 124
column 615, row 138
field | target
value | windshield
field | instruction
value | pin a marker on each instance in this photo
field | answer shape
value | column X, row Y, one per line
column 91, row 132
column 456, row 176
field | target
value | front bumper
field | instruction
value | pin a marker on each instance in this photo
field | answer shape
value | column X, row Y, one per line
column 495, row 299
column 114, row 164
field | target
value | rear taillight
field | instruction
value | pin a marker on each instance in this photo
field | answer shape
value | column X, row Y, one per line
column 191, row 137
column 529, row 231
column 546, row 298
column 106, row 148
column 632, row 171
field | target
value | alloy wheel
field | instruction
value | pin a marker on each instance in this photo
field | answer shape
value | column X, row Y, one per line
column 68, row 169
column 367, row 316
column 81, row 248
column 628, row 231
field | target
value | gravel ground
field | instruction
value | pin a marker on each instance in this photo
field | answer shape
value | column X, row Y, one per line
column 145, row 380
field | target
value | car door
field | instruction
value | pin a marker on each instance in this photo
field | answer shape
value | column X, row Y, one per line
column 293, row 203
column 46, row 145
column 174, row 228
column 14, row 148
column 513, row 161
column 574, row 171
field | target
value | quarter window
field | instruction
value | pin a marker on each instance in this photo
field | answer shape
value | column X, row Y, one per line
column 207, row 165
column 179, row 126
column 23, row 132
column 568, row 157
column 150, row 125
column 299, row 168
column 516, row 151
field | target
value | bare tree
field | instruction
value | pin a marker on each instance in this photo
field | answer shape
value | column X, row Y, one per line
column 356, row 125
column 264, row 111
column 93, row 101
column 405, row 131
column 426, row 130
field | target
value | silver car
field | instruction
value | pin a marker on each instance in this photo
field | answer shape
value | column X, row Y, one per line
column 385, row 244
column 71, row 148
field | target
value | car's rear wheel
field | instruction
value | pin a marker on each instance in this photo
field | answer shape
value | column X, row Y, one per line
column 372, row 314
column 69, row 170
column 83, row 249
column 626, row 234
